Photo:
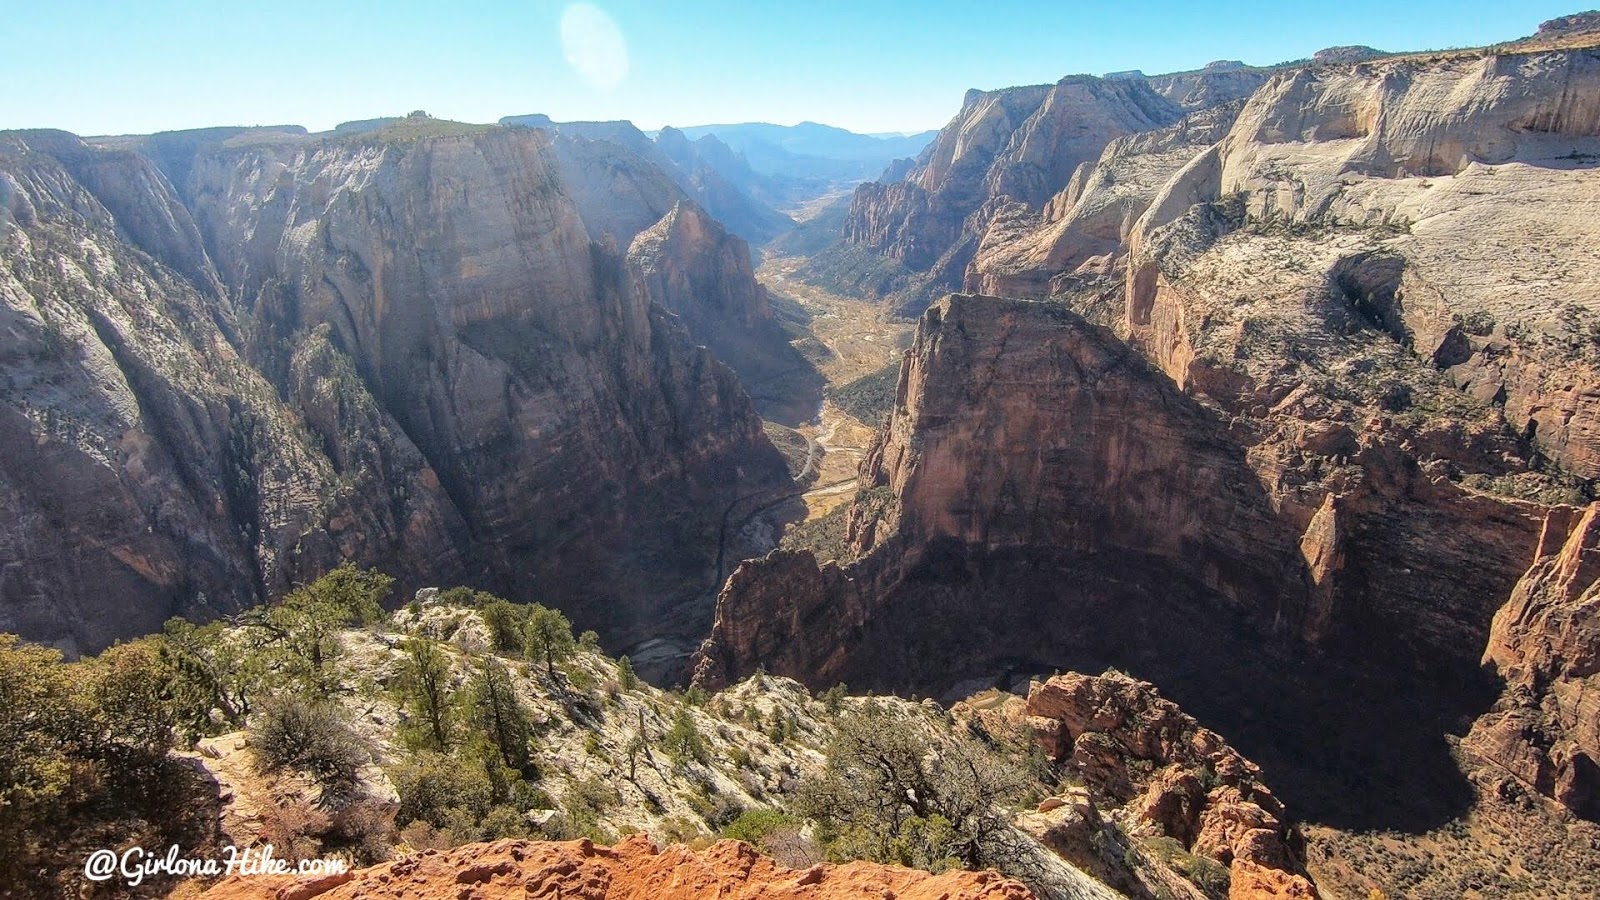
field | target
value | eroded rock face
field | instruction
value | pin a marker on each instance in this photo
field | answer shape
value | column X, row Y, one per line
column 1546, row 644
column 693, row 268
column 1019, row 428
column 632, row 870
column 1158, row 768
column 1020, row 145
column 1046, row 497
column 410, row 354
column 696, row 170
column 1014, row 156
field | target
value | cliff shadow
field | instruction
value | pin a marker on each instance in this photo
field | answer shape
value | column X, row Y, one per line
column 1355, row 741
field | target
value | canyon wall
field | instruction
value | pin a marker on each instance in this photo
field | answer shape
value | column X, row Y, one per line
column 401, row 348
column 1364, row 298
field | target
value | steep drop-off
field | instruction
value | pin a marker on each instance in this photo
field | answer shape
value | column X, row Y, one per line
column 400, row 347
column 696, row 270
column 1044, row 497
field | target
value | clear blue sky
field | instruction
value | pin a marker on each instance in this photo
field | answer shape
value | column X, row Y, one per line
column 132, row 67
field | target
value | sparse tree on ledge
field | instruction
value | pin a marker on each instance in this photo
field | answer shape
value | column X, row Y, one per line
column 548, row 634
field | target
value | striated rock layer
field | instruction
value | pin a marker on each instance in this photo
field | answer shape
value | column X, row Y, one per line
column 400, row 348
column 1007, row 155
column 632, row 870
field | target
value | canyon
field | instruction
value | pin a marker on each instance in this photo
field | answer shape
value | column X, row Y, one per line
column 240, row 358
column 1269, row 393
column 1276, row 391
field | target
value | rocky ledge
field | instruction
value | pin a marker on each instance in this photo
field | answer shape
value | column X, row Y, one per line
column 633, row 868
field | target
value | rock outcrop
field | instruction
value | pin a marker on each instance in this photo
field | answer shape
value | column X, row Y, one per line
column 1157, row 772
column 1135, row 749
column 632, row 870
column 693, row 268
column 1019, row 144
column 1546, row 644
column 1045, row 497
column 1584, row 23
column 400, row 347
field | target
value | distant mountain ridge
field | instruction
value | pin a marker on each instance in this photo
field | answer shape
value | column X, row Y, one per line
column 811, row 159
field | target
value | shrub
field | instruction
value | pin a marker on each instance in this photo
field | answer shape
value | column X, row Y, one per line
column 883, row 796
column 432, row 784
column 585, row 803
column 295, row 830
column 289, row 733
column 504, row 822
column 364, row 828
column 754, row 825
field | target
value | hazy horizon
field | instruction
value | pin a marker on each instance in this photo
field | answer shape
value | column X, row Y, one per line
column 97, row 68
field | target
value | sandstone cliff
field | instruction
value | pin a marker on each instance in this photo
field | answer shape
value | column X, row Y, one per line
column 1020, row 144
column 1414, row 166
column 1007, row 155
column 690, row 266
column 1546, row 644
column 1045, row 497
column 400, row 347
column 618, row 192
column 632, row 870
column 697, row 170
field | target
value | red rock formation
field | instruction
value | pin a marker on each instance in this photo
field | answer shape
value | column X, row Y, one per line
column 1044, row 498
column 632, row 870
column 1134, row 749
column 1546, row 644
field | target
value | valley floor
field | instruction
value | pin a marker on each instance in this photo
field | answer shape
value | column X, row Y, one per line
column 852, row 341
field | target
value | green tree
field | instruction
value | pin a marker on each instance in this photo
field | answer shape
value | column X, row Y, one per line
column 684, row 742
column 425, row 684
column 214, row 674
column 36, row 726
column 625, row 674
column 359, row 593
column 893, row 792
column 506, row 622
column 303, row 629
column 548, row 634
column 130, row 717
column 499, row 714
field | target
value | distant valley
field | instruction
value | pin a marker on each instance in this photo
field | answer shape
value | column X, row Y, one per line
column 1150, row 440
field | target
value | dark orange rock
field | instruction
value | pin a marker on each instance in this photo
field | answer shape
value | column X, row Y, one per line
column 632, row 870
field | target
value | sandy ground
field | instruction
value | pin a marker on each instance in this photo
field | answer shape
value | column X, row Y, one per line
column 859, row 342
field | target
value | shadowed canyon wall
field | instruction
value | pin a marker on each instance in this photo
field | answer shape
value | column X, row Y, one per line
column 401, row 348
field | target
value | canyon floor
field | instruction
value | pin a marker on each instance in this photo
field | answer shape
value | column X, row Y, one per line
column 849, row 339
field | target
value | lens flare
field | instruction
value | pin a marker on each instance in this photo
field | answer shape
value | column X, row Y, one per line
column 594, row 46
